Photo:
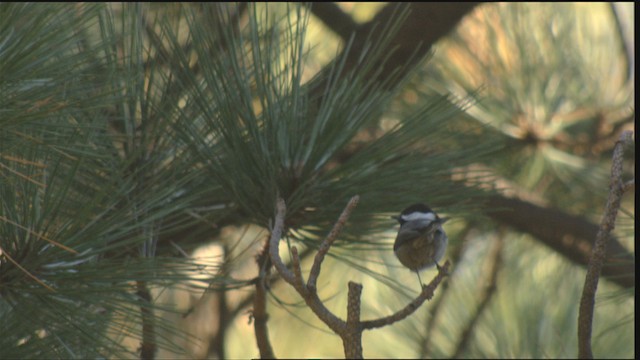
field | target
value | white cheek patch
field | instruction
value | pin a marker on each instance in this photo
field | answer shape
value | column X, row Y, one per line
column 419, row 216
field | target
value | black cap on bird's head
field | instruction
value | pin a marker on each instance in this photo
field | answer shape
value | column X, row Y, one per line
column 415, row 212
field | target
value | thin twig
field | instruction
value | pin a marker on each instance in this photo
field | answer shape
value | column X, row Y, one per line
column 328, row 241
column 426, row 294
column 587, row 302
column 310, row 297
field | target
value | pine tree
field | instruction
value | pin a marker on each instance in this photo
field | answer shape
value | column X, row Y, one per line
column 132, row 135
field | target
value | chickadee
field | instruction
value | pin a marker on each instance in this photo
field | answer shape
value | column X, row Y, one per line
column 421, row 241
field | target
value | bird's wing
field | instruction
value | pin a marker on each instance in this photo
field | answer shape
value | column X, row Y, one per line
column 410, row 232
column 414, row 229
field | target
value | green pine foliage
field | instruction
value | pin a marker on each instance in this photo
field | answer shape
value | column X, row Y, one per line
column 112, row 141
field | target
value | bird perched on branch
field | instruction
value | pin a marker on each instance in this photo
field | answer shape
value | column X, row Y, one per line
column 421, row 240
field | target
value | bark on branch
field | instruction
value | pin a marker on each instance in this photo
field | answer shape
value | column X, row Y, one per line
column 587, row 302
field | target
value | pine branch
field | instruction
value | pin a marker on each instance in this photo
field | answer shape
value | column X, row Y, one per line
column 336, row 19
column 570, row 235
column 424, row 25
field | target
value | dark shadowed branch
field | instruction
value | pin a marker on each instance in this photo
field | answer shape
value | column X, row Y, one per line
column 148, row 346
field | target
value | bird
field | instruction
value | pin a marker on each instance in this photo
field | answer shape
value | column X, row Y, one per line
column 421, row 241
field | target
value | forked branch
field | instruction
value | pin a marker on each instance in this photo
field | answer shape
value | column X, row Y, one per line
column 350, row 330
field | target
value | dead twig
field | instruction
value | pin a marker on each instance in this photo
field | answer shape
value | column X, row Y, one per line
column 587, row 302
